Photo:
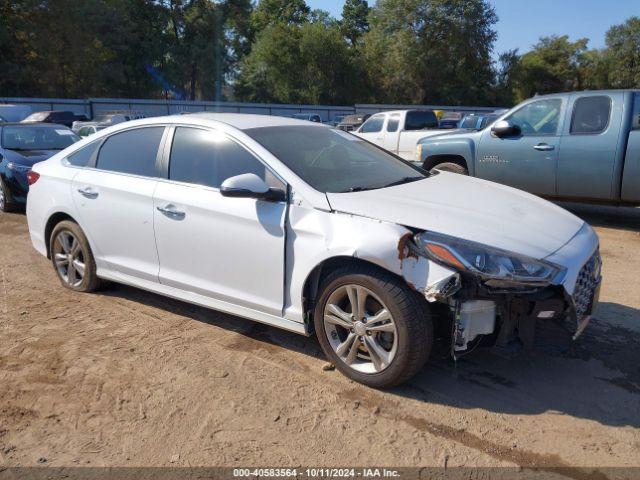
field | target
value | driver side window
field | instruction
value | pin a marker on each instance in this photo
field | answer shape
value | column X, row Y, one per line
column 538, row 118
column 373, row 125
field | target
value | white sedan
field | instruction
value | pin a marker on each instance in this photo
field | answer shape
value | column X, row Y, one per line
column 311, row 229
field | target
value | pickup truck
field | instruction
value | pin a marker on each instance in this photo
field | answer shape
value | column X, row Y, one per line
column 578, row 146
column 398, row 131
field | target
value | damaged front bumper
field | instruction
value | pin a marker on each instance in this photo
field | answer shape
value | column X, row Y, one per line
column 509, row 312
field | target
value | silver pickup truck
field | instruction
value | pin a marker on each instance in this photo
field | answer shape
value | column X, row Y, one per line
column 580, row 146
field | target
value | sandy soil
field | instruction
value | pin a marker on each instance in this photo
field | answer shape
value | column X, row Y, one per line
column 128, row 378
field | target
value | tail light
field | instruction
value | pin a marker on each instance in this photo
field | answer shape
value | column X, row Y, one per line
column 32, row 177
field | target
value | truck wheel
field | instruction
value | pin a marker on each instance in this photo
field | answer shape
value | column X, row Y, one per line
column 450, row 167
column 371, row 326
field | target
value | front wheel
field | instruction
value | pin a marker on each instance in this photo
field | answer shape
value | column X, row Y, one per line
column 6, row 203
column 372, row 326
column 72, row 258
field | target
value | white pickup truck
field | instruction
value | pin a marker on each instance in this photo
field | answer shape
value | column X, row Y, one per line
column 399, row 130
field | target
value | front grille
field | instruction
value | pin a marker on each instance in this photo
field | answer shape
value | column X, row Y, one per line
column 588, row 280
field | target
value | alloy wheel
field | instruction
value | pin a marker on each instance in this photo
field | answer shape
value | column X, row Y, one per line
column 360, row 329
column 69, row 258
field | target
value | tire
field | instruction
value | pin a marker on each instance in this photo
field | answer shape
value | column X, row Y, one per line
column 450, row 167
column 412, row 326
column 6, row 202
column 68, row 240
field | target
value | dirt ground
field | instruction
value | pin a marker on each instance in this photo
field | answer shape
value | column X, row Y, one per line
column 128, row 378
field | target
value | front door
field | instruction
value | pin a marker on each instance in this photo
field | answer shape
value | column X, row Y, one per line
column 529, row 160
column 115, row 201
column 229, row 249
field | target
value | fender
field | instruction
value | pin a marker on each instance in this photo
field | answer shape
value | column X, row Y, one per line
column 436, row 149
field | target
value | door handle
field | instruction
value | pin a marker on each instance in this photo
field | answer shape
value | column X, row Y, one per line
column 171, row 211
column 544, row 147
column 88, row 192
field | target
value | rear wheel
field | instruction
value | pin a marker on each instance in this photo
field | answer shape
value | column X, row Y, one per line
column 371, row 326
column 72, row 258
column 450, row 167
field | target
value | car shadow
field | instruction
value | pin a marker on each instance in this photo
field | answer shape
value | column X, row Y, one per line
column 625, row 218
column 596, row 377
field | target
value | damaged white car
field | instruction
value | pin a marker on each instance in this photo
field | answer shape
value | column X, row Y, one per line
column 308, row 228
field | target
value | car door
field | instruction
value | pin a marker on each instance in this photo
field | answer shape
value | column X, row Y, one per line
column 115, row 201
column 228, row 249
column 589, row 146
column 529, row 160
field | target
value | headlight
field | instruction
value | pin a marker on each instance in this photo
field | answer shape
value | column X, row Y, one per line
column 17, row 168
column 484, row 261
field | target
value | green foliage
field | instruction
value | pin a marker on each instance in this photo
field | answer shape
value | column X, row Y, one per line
column 431, row 51
column 355, row 19
column 622, row 55
column 398, row 51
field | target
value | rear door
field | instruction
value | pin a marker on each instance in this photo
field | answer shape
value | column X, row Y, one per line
column 228, row 249
column 527, row 161
column 589, row 145
column 115, row 200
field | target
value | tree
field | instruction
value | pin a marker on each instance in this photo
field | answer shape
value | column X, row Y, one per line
column 308, row 63
column 271, row 12
column 552, row 66
column 622, row 54
column 431, row 51
column 355, row 19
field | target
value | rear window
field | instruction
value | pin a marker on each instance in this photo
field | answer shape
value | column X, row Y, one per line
column 421, row 120
column 132, row 151
column 591, row 115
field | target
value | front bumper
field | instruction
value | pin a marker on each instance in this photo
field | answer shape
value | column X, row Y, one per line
column 16, row 181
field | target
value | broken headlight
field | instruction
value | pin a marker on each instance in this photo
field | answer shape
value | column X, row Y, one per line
column 484, row 261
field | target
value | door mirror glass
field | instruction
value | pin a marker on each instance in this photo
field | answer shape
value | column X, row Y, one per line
column 249, row 185
column 503, row 128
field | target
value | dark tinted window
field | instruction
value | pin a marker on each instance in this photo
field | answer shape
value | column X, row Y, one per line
column 392, row 124
column 374, row 124
column 591, row 114
column 421, row 120
column 82, row 157
column 133, row 151
column 206, row 158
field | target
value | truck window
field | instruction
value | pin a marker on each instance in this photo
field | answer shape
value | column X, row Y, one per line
column 374, row 124
column 420, row 120
column 538, row 118
column 635, row 122
column 394, row 121
column 590, row 115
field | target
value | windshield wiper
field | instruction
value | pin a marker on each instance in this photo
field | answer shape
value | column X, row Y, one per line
column 402, row 180
column 355, row 189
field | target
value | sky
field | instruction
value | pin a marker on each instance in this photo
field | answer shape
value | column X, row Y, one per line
column 522, row 22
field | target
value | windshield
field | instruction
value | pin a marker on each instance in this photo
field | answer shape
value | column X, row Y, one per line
column 333, row 161
column 37, row 138
column 470, row 121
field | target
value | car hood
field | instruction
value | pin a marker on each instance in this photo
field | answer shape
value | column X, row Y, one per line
column 28, row 157
column 468, row 208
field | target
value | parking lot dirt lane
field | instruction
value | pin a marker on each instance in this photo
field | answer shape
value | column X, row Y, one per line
column 124, row 377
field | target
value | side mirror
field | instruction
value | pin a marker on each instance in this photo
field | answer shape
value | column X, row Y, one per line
column 249, row 185
column 505, row 129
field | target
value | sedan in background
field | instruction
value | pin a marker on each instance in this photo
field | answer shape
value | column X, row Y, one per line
column 21, row 146
column 309, row 117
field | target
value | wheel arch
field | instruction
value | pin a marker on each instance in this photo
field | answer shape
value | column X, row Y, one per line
column 433, row 160
column 52, row 221
column 311, row 287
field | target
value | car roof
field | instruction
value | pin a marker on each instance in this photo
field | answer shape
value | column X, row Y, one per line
column 31, row 124
column 245, row 121
column 594, row 92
